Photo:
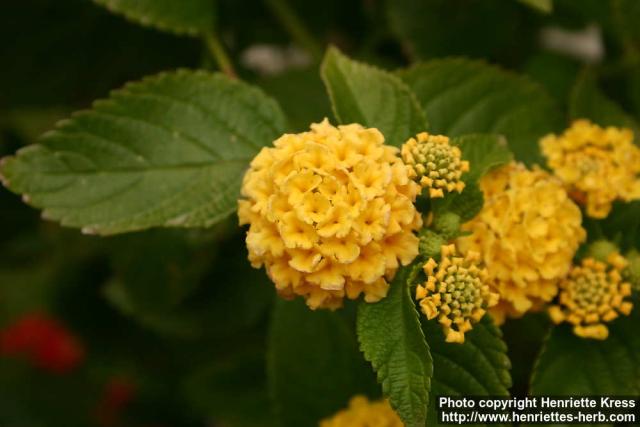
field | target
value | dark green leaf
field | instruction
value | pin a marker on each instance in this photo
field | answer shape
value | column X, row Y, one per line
column 437, row 28
column 589, row 102
column 479, row 367
column 372, row 97
column 623, row 224
column 167, row 151
column 461, row 97
column 314, row 365
column 301, row 95
column 182, row 17
column 570, row 365
column 392, row 340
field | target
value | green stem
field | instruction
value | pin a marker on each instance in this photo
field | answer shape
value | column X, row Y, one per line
column 219, row 54
column 296, row 28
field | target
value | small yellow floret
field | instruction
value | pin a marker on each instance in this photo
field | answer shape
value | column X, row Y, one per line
column 456, row 292
column 363, row 413
column 434, row 163
column 331, row 214
column 598, row 165
column 593, row 294
column 527, row 234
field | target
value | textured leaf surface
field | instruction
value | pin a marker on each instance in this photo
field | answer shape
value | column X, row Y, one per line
column 167, row 151
column 392, row 340
column 569, row 365
column 372, row 97
column 184, row 16
column 462, row 97
column 479, row 367
column 314, row 366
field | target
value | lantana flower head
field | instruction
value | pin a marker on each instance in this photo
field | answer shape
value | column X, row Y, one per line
column 456, row 292
column 435, row 163
column 598, row 165
column 527, row 234
column 363, row 413
column 331, row 214
column 593, row 293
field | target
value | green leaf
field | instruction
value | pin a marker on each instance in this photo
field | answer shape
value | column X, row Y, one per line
column 438, row 28
column 570, row 365
column 392, row 340
column 589, row 102
column 182, row 17
column 623, row 224
column 372, row 97
column 293, row 90
column 466, row 204
column 167, row 151
column 314, row 366
column 461, row 96
column 545, row 6
column 479, row 367
column 484, row 152
column 232, row 391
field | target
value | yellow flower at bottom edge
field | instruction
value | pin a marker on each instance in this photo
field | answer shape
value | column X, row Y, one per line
column 456, row 292
column 363, row 413
column 434, row 163
column 527, row 234
column 598, row 165
column 331, row 214
column 592, row 295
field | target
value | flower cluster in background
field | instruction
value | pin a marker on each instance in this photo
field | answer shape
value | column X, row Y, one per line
column 456, row 292
column 526, row 234
column 331, row 214
column 598, row 165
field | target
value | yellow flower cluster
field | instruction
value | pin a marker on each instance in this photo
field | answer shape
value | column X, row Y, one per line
column 598, row 165
column 592, row 294
column 456, row 292
column 331, row 214
column 362, row 413
column 527, row 234
column 434, row 163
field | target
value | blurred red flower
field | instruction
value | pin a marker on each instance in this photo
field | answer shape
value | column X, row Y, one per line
column 44, row 342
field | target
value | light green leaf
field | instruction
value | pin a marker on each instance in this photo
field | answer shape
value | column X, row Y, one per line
column 479, row 367
column 372, row 97
column 545, row 6
column 167, row 151
column 190, row 17
column 461, row 96
column 314, row 366
column 588, row 102
column 392, row 340
column 570, row 365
